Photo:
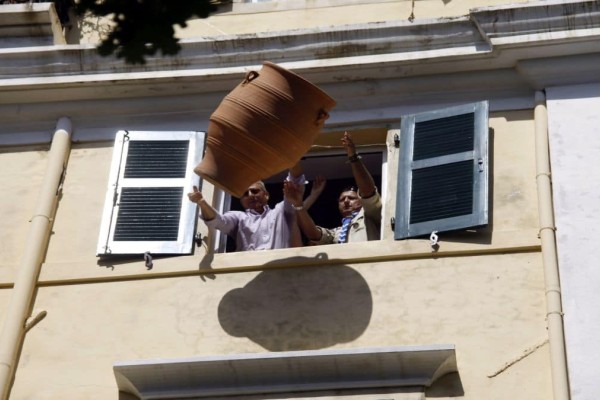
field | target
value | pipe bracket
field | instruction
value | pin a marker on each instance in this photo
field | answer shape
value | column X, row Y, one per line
column 553, row 291
column 33, row 321
column 552, row 228
column 42, row 215
column 547, row 174
column 559, row 313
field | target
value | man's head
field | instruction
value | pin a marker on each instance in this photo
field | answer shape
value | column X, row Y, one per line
column 256, row 197
column 349, row 201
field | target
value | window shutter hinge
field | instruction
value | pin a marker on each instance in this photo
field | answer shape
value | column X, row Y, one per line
column 148, row 260
column 393, row 223
column 480, row 163
column 433, row 241
column 433, row 238
column 198, row 239
column 61, row 182
column 396, row 140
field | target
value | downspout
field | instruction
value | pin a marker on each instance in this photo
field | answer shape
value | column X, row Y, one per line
column 23, row 293
column 554, row 315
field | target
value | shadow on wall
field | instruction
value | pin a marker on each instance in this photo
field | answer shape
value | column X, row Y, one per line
column 299, row 308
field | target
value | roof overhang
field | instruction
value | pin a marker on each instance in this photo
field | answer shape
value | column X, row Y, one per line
column 380, row 70
column 521, row 38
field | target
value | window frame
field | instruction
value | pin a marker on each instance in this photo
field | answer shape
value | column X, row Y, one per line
column 223, row 202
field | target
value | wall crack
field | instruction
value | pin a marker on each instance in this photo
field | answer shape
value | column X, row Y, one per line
column 525, row 354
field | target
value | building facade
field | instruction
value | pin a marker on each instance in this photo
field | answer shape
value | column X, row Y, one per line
column 501, row 308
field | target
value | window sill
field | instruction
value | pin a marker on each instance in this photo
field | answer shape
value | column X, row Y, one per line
column 89, row 271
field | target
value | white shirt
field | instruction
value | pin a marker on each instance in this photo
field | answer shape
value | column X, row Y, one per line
column 253, row 231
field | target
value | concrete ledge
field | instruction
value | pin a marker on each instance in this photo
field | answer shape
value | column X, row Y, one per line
column 536, row 21
column 283, row 372
column 122, row 269
column 29, row 25
column 411, row 63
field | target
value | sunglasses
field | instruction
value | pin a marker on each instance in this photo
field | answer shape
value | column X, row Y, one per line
column 253, row 191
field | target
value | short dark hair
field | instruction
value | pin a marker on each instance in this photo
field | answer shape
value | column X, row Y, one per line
column 350, row 189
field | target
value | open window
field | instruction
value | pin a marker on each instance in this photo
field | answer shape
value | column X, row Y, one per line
column 327, row 158
column 442, row 176
column 146, row 207
column 443, row 171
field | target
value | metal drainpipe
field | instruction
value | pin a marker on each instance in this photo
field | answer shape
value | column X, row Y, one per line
column 554, row 316
column 23, row 293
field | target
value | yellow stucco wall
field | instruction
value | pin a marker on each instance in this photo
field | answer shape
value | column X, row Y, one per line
column 482, row 292
column 20, row 178
column 490, row 307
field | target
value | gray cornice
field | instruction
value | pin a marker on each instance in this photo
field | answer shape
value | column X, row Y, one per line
column 489, row 38
column 502, row 54
column 29, row 24
column 544, row 19
column 382, row 42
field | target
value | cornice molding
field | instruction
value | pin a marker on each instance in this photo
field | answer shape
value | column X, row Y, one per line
column 477, row 42
column 537, row 21
column 502, row 54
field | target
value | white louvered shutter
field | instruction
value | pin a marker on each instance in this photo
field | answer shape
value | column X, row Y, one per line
column 146, row 207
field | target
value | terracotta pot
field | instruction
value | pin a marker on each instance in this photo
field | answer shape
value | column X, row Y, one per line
column 262, row 127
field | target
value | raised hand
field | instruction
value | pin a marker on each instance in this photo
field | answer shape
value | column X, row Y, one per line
column 293, row 192
column 348, row 144
column 195, row 196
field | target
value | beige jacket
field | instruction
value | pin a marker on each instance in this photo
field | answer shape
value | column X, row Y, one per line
column 366, row 225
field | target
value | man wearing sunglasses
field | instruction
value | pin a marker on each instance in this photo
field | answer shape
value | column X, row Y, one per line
column 259, row 227
column 360, row 207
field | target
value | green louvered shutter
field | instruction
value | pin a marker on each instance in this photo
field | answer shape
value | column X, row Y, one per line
column 443, row 171
column 146, row 207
